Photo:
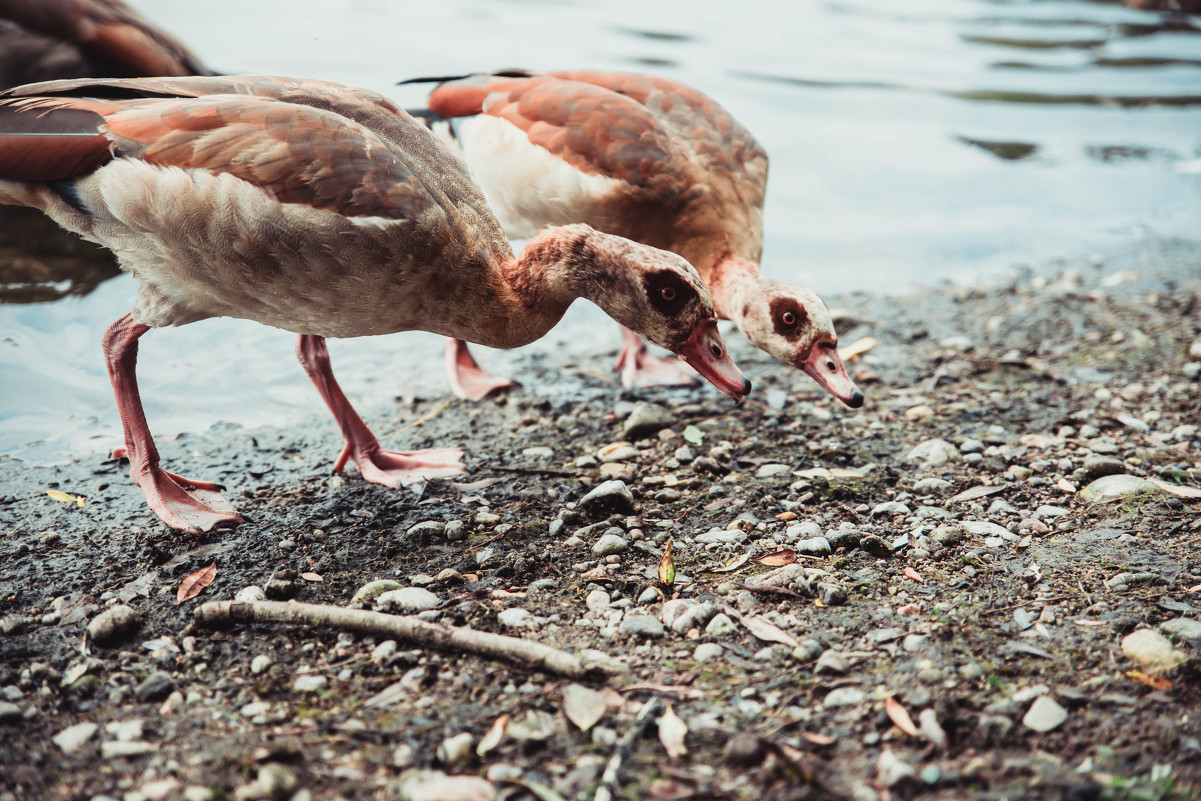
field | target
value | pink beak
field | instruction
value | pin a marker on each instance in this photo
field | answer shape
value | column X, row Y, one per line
column 825, row 366
column 706, row 353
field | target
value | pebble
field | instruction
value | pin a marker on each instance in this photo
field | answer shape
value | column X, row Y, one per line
column 455, row 531
column 876, row 546
column 848, row 538
column 373, row 589
column 276, row 781
column 931, row 486
column 72, row 738
column 1095, row 467
column 694, row 617
column 250, row 595
column 114, row 623
column 539, row 453
column 597, row 601
column 844, row 696
column 610, row 544
column 617, row 452
column 9, row 712
column 610, row 497
column 408, row 599
column 114, row 749
column 720, row 536
column 707, row 651
column 831, row 594
column 1182, row 628
column 1152, row 650
column 517, row 618
column 260, row 664
column 772, row 470
column 484, row 556
column 649, row 596
column 646, row 419
column 282, row 584
column 309, row 682
column 155, row 687
column 1109, row 488
column 721, row 625
column 1044, row 714
column 832, row 662
column 814, row 546
column 890, row 508
column 642, row 626
column 891, row 770
column 126, row 730
column 426, row 530
column 932, row 453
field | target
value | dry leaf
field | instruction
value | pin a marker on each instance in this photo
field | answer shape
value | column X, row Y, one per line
column 312, row 577
column 59, row 495
column 913, row 574
column 582, row 706
column 1194, row 588
column 691, row 693
column 767, row 631
column 898, row 715
column 667, row 567
column 784, row 556
column 1090, row 623
column 856, row 349
column 493, row 737
column 733, row 564
column 977, row 492
column 672, row 731
column 818, row 739
column 191, row 586
column 1175, row 489
column 1154, row 682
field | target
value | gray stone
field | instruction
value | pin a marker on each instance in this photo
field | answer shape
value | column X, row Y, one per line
column 694, row 617
column 891, row 770
column 970, row 445
column 456, row 530
column 539, row 453
column 876, row 546
column 831, row 594
column 1097, row 466
column 707, row 652
column 1152, row 650
column 309, row 683
column 1110, row 488
column 427, row 530
column 983, row 528
column 114, row 749
column 373, row 589
column 114, row 623
column 251, row 594
column 9, row 712
column 13, row 624
column 717, row 535
column 932, row 453
column 1046, row 510
column 814, row 546
column 721, row 625
column 517, row 618
column 619, row 452
column 932, row 486
column 844, row 696
column 1182, row 628
column 126, row 730
column 73, row 738
column 260, row 664
column 155, row 687
column 610, row 497
column 848, row 538
column 408, row 599
column 807, row 650
column 890, row 508
column 772, row 470
column 948, row 535
column 832, row 662
column 646, row 419
column 1044, row 714
column 610, row 544
column 642, row 626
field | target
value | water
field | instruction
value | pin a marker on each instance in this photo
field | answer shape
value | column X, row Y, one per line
column 910, row 143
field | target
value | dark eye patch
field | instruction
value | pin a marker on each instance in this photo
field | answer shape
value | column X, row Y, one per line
column 668, row 293
column 788, row 318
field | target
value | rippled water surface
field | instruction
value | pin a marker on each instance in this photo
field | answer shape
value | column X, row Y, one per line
column 910, row 143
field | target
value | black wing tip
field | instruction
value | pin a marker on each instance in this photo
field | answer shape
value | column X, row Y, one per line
column 514, row 72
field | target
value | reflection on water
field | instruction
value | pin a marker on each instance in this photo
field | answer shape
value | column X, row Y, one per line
column 910, row 142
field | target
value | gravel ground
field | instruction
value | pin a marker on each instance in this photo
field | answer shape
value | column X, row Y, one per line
column 994, row 588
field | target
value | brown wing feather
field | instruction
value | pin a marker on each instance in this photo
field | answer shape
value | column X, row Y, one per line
column 50, row 144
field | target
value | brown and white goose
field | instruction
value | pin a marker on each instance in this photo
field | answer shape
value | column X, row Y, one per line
column 649, row 159
column 43, row 40
column 317, row 209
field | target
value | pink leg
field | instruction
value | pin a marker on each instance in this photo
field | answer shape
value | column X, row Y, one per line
column 182, row 503
column 390, row 468
column 641, row 369
column 467, row 380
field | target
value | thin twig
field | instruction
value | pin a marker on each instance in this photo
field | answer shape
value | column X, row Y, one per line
column 608, row 783
column 533, row 655
column 538, row 471
column 425, row 419
column 769, row 590
column 1030, row 602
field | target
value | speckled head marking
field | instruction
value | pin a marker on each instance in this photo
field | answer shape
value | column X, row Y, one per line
column 668, row 292
column 788, row 317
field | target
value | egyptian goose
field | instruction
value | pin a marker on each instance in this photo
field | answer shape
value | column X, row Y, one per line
column 317, row 209
column 47, row 39
column 649, row 159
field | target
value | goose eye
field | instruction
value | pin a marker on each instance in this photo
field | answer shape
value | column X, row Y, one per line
column 788, row 318
column 667, row 293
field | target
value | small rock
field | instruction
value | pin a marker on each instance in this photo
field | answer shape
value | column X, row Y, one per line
column 1097, row 466
column 260, row 664
column 930, row 728
column 1152, row 650
column 848, row 538
column 456, row 751
column 745, row 750
column 72, row 738
column 10, row 712
column 721, row 536
column 13, row 624
column 608, row 498
column 720, row 625
column 610, row 544
column 517, row 618
column 426, row 530
column 876, row 546
column 642, row 626
column 250, row 595
column 1044, row 714
column 1109, row 488
column 844, row 696
column 707, row 652
column 772, row 470
column 155, row 687
column 539, row 453
column 1182, row 628
column 890, row 508
column 948, row 535
column 309, row 683
column 456, row 530
column 126, row 730
column 931, row 486
column 932, row 453
column 408, row 599
column 831, row 593
column 114, row 623
column 282, row 584
column 276, row 781
column 694, row 617
column 814, row 546
column 617, row 452
column 891, row 770
column 647, row 419
column 114, row 749
column 832, row 662
column 597, row 601
column 431, row 785
column 373, row 589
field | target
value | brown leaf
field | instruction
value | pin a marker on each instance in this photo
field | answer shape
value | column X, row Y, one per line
column 765, row 630
column 784, row 556
column 818, row 739
column 312, row 577
column 672, row 730
column 191, row 586
column 1175, row 489
column 856, row 349
column 977, row 492
column 584, row 706
column 898, row 715
column 913, row 574
column 1154, row 682
column 494, row 736
column 667, row 567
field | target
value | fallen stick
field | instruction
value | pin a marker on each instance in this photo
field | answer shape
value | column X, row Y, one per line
column 609, row 779
column 529, row 654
